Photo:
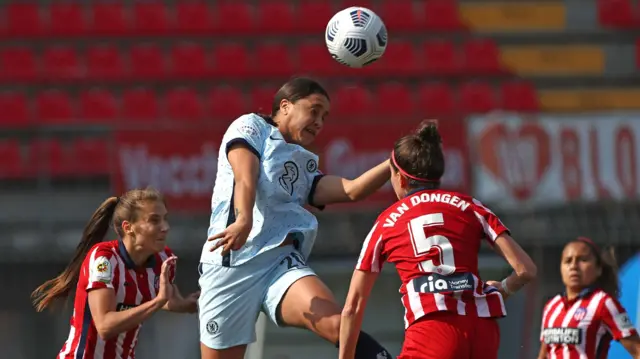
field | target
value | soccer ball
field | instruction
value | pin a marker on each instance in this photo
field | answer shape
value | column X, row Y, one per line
column 356, row 37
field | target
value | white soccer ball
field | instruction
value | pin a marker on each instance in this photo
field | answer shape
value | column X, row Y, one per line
column 356, row 37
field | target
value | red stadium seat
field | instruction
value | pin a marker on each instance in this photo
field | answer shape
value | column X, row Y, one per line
column 440, row 57
column 234, row 18
column 230, row 60
column 442, row 15
column 14, row 111
column 54, row 107
column 399, row 59
column 519, row 96
column 17, row 64
column 12, row 165
column 226, row 103
column 139, row 105
column 477, row 97
column 90, row 157
column 109, row 18
column 261, row 99
column 400, row 15
column 61, row 63
column 104, row 62
column 362, row 3
column 312, row 16
column 275, row 17
column 194, row 18
column 353, row 101
column 184, row 104
column 97, row 105
column 147, row 62
column 314, row 58
column 48, row 157
column 436, row 99
column 189, row 60
column 481, row 56
column 394, row 99
column 24, row 19
column 617, row 14
column 67, row 19
column 150, row 18
column 275, row 60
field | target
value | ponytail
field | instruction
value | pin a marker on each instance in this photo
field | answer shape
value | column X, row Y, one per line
column 94, row 232
column 608, row 279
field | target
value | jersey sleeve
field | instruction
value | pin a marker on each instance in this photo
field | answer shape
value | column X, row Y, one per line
column 491, row 224
column 371, row 259
column 250, row 130
column 616, row 319
column 316, row 177
column 100, row 270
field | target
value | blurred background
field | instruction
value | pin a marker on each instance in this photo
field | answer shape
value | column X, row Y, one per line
column 538, row 104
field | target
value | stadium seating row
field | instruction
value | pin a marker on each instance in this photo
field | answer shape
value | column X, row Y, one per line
column 194, row 60
column 60, row 19
column 81, row 157
column 55, row 107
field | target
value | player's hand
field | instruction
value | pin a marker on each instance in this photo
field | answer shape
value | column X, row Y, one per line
column 498, row 285
column 190, row 303
column 232, row 238
column 165, row 287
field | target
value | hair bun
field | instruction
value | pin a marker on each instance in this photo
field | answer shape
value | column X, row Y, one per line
column 428, row 133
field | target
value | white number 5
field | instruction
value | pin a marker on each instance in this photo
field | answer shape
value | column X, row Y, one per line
column 436, row 243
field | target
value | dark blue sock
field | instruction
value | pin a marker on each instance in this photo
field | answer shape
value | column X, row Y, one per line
column 369, row 348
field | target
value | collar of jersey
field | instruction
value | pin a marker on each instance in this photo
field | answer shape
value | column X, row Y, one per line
column 422, row 188
column 582, row 295
column 128, row 262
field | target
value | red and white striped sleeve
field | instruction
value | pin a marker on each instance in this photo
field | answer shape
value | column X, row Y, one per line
column 491, row 224
column 101, row 267
column 615, row 317
column 371, row 259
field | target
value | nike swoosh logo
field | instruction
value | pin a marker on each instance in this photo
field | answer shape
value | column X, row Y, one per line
column 276, row 139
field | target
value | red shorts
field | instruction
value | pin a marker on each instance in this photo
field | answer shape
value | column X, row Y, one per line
column 445, row 335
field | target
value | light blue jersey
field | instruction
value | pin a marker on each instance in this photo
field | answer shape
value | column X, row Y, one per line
column 287, row 179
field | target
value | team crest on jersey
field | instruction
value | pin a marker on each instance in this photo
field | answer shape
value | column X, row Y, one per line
column 212, row 327
column 580, row 313
column 312, row 165
column 289, row 177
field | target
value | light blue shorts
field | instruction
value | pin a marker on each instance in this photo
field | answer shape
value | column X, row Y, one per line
column 231, row 298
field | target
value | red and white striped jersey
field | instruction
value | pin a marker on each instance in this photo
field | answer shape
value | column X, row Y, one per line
column 108, row 265
column 583, row 328
column 433, row 237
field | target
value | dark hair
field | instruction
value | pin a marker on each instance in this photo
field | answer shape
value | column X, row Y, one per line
column 113, row 211
column 606, row 260
column 420, row 155
column 293, row 90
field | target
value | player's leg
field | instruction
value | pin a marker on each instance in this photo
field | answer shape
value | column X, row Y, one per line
column 298, row 298
column 436, row 336
column 228, row 308
column 485, row 341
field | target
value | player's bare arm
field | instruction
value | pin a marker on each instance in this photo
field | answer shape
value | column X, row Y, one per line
column 111, row 322
column 245, row 165
column 632, row 344
column 543, row 351
column 524, row 270
column 351, row 321
column 335, row 189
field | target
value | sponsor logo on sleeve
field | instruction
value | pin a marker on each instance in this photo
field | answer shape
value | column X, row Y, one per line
column 101, row 270
column 623, row 321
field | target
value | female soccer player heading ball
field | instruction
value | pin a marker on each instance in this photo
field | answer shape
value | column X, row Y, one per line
column 122, row 282
column 582, row 321
column 260, row 233
column 433, row 237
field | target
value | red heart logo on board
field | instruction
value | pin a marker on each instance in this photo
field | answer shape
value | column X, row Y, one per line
column 518, row 157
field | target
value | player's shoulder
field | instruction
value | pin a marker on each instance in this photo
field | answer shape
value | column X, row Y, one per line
column 250, row 121
column 104, row 249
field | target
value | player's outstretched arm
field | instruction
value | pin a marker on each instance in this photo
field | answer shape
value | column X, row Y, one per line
column 524, row 270
column 351, row 320
column 335, row 189
column 632, row 344
column 111, row 322
column 179, row 304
